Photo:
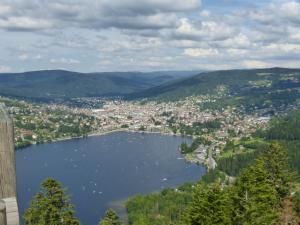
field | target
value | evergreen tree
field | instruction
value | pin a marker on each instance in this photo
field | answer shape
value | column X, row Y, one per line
column 210, row 205
column 296, row 200
column 254, row 197
column 111, row 218
column 50, row 206
column 276, row 162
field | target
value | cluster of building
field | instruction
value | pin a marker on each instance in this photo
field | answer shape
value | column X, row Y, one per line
column 40, row 123
column 151, row 116
column 154, row 116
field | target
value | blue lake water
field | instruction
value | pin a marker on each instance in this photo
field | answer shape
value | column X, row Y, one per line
column 101, row 170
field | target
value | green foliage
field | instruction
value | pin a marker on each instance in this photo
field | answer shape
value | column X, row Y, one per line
column 213, row 176
column 164, row 208
column 296, row 199
column 142, row 128
column 238, row 155
column 233, row 164
column 199, row 128
column 293, row 148
column 185, row 148
column 287, row 129
column 111, row 218
column 254, row 197
column 276, row 163
column 50, row 206
column 242, row 88
column 252, row 200
column 229, row 146
column 209, row 206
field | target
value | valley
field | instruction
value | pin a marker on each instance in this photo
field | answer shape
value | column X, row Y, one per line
column 228, row 128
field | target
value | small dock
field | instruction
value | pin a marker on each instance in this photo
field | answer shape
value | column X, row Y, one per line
column 9, row 214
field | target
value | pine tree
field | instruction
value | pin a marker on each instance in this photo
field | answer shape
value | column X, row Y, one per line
column 50, row 206
column 210, row 205
column 111, row 218
column 254, row 197
column 276, row 161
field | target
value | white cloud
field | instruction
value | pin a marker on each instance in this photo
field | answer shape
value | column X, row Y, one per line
column 237, row 41
column 4, row 9
column 145, row 34
column 236, row 52
column 284, row 47
column 24, row 23
column 198, row 52
column 291, row 11
column 65, row 61
column 255, row 64
column 95, row 14
column 207, row 30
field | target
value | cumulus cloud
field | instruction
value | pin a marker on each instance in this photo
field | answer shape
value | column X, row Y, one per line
column 64, row 61
column 255, row 64
column 208, row 30
column 24, row 23
column 290, row 11
column 198, row 52
column 96, row 14
column 145, row 34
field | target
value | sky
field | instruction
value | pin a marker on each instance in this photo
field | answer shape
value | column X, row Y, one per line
column 148, row 35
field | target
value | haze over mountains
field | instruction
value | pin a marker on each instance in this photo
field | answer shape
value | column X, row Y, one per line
column 235, row 82
column 258, row 85
column 59, row 84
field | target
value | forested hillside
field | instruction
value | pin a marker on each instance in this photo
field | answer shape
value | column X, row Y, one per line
column 259, row 88
column 49, row 85
column 287, row 129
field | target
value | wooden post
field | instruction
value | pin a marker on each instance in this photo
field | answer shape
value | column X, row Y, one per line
column 7, row 159
column 2, row 212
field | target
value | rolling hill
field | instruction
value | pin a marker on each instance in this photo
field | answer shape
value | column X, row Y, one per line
column 59, row 84
column 255, row 87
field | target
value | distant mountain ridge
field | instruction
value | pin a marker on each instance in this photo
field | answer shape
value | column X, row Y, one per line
column 59, row 84
column 252, row 87
column 241, row 82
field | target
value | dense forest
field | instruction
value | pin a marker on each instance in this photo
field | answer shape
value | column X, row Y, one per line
column 286, row 128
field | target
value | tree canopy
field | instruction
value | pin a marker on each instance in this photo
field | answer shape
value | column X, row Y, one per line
column 111, row 218
column 50, row 206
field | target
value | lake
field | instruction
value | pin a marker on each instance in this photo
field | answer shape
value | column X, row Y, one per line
column 101, row 171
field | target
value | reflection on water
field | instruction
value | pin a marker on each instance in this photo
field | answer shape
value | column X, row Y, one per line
column 101, row 171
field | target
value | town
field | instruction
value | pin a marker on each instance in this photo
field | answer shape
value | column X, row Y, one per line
column 38, row 123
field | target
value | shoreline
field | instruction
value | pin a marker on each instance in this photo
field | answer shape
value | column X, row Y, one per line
column 105, row 133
